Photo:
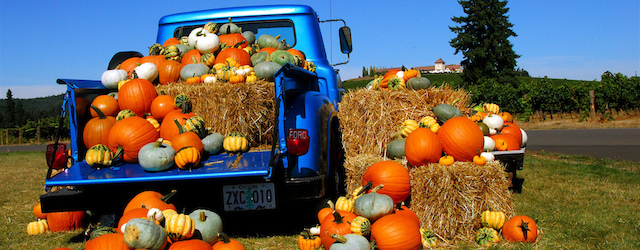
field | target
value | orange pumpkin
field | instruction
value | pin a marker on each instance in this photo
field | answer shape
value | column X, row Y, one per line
column 226, row 243
column 150, row 199
column 65, row 221
column 192, row 56
column 186, row 139
column 520, row 228
column 511, row 129
column 510, row 140
column 267, row 49
column 129, row 135
column 157, row 60
column 506, row 116
column 137, row 96
column 239, row 55
column 410, row 73
column 37, row 211
column 169, row 129
column 169, row 71
column 338, row 222
column 461, row 138
column 233, row 40
column 406, row 211
column 393, row 176
column 130, row 63
column 96, row 130
column 396, row 231
column 111, row 241
column 422, row 147
column 161, row 106
column 140, row 212
column 190, row 244
column 107, row 104
column 171, row 41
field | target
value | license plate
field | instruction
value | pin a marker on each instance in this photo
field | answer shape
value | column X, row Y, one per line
column 253, row 196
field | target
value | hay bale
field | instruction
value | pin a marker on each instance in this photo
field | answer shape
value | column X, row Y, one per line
column 449, row 199
column 369, row 119
column 244, row 107
column 355, row 166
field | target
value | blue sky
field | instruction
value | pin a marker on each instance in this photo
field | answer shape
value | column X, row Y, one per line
column 41, row 41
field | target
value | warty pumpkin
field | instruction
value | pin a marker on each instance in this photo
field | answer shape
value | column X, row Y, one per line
column 99, row 155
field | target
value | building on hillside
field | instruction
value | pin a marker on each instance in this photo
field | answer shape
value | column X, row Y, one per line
column 439, row 67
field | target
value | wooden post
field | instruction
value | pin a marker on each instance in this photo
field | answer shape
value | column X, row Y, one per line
column 592, row 96
column 20, row 136
column 38, row 135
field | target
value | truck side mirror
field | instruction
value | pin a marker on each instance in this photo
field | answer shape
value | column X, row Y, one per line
column 345, row 40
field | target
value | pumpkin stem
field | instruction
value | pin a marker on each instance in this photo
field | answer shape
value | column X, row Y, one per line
column 119, row 153
column 100, row 113
column 339, row 238
column 365, row 188
column 180, row 128
column 525, row 229
column 203, row 216
column 375, row 189
column 224, row 237
column 158, row 143
column 169, row 195
column 337, row 217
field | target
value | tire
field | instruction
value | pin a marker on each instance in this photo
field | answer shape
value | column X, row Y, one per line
column 337, row 175
column 119, row 57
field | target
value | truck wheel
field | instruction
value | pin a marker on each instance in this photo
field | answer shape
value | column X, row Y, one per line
column 119, row 57
column 337, row 176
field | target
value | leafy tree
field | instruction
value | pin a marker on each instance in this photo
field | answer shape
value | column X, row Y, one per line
column 9, row 110
column 483, row 40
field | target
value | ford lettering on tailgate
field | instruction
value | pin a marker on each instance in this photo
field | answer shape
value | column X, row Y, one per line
column 253, row 196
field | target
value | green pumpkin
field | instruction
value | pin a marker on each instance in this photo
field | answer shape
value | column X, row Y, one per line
column 266, row 70
column 282, row 57
column 156, row 156
column 395, row 148
column 172, row 53
column 156, row 49
column 484, row 128
column 445, row 112
column 124, row 114
column 259, row 57
column 250, row 36
column 487, row 237
column 211, row 27
column 212, row 143
column 229, row 28
column 373, row 205
column 196, row 124
column 350, row 242
column 208, row 225
column 95, row 232
column 266, row 40
column 141, row 233
column 416, row 83
column 193, row 69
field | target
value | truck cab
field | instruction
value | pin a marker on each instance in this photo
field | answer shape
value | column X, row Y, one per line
column 303, row 162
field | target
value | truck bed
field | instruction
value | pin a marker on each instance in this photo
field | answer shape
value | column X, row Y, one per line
column 251, row 164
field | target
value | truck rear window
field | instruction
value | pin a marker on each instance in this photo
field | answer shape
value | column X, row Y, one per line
column 284, row 28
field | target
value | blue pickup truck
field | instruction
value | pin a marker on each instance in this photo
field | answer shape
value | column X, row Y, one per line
column 304, row 162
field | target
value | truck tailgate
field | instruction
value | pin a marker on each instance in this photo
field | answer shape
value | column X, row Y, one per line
column 250, row 164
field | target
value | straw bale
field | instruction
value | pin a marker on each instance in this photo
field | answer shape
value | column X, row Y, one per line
column 244, row 107
column 449, row 199
column 369, row 119
column 356, row 165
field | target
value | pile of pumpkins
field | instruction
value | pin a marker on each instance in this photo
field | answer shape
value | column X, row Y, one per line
column 399, row 79
column 157, row 131
column 149, row 221
column 374, row 216
column 448, row 136
column 209, row 54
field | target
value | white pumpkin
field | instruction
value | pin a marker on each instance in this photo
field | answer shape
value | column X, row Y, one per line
column 210, row 79
column 489, row 144
column 195, row 34
column 110, row 78
column 148, row 71
column 488, row 156
column 493, row 121
column 524, row 138
column 207, row 43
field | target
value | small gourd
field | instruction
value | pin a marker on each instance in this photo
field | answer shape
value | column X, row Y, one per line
column 110, row 78
column 156, row 156
column 235, row 142
column 37, row 227
column 308, row 241
column 407, row 127
column 487, row 237
column 187, row 158
column 99, row 155
column 212, row 143
column 492, row 219
column 147, row 71
column 179, row 227
column 361, row 225
column 428, row 238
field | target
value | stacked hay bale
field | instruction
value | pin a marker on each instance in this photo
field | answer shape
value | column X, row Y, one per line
column 447, row 199
column 225, row 107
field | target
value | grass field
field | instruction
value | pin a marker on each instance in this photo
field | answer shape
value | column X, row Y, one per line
column 578, row 202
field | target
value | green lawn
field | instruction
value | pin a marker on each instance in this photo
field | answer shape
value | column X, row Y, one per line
column 578, row 202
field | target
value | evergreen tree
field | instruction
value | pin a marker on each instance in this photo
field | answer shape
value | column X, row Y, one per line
column 9, row 110
column 364, row 72
column 483, row 40
column 20, row 115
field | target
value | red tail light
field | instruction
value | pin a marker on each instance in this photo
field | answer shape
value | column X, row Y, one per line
column 298, row 141
column 60, row 158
